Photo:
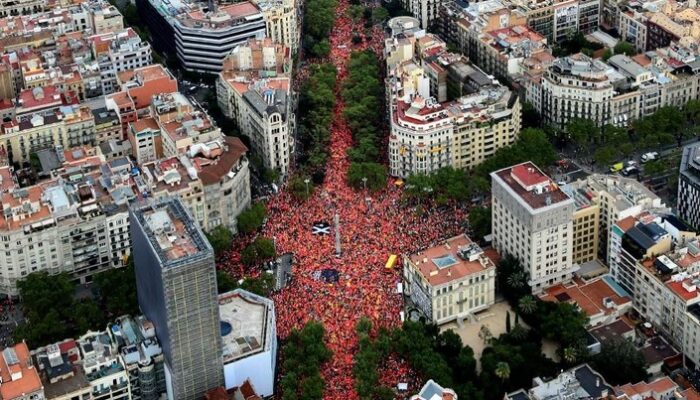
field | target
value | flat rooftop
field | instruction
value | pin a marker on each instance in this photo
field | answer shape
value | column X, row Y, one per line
column 456, row 258
column 531, row 185
column 172, row 232
column 246, row 322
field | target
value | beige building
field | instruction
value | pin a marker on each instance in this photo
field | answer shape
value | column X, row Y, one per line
column 212, row 180
column 586, row 225
column 282, row 24
column 254, row 89
column 533, row 221
column 451, row 281
column 427, row 135
column 68, row 127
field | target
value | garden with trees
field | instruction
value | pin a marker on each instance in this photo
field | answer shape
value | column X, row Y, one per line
column 304, row 352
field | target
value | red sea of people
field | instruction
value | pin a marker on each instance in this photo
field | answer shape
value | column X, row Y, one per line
column 372, row 227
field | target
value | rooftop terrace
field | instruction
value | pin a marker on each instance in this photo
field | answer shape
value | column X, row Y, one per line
column 246, row 322
column 531, row 185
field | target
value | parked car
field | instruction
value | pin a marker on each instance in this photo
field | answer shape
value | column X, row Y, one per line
column 646, row 157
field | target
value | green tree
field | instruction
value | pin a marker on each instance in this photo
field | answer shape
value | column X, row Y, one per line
column 224, row 282
column 605, row 155
column 620, row 362
column 88, row 316
column 262, row 249
column 625, row 48
column 502, row 370
column 117, row 290
column 262, row 285
column 374, row 173
column 480, row 221
column 301, row 186
column 252, row 219
column 220, row 239
column 607, row 54
column 527, row 304
column 379, row 15
column 582, row 132
column 304, row 353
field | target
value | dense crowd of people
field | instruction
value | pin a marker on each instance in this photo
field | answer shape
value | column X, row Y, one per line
column 372, row 227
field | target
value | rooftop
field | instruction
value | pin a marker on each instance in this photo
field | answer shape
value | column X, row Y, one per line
column 247, row 324
column 656, row 389
column 690, row 163
column 594, row 298
column 173, row 233
column 612, row 331
column 433, row 391
column 19, row 377
column 454, row 260
column 531, row 185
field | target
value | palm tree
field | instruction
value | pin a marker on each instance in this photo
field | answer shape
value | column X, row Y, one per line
column 527, row 304
column 516, row 280
column 570, row 355
column 502, row 370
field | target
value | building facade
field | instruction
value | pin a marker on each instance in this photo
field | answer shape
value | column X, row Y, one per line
column 449, row 282
column 689, row 186
column 176, row 285
column 533, row 222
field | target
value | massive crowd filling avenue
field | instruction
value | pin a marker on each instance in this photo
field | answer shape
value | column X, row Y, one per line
column 372, row 227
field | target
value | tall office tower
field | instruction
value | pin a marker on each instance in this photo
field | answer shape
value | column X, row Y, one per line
column 533, row 221
column 176, row 284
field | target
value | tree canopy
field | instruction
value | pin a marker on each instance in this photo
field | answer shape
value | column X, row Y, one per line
column 252, row 219
column 304, row 353
column 220, row 239
column 262, row 249
column 316, row 102
column 620, row 362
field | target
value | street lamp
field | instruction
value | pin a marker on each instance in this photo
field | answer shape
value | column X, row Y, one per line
column 306, row 181
column 364, row 182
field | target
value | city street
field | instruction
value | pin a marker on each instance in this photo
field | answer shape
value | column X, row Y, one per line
column 367, row 237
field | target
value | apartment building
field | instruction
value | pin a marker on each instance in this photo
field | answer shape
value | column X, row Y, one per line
column 451, row 281
column 281, row 22
column 103, row 367
column 107, row 125
column 138, row 87
column 501, row 51
column 689, row 186
column 212, row 179
column 586, row 226
column 617, row 198
column 12, row 7
column 480, row 116
column 76, row 226
column 433, row 391
column 20, row 380
column 198, row 37
column 249, row 337
column 533, row 221
column 116, row 52
column 69, row 126
column 176, row 285
column 651, row 25
column 576, row 87
column 559, row 20
column 255, row 90
column 426, row 11
column 581, row 381
column 59, row 366
column 142, row 356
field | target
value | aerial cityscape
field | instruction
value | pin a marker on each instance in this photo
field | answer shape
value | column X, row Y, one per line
column 350, row 199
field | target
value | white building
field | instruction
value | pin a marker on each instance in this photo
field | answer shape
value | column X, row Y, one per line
column 119, row 51
column 281, row 21
column 451, row 281
column 255, row 90
column 249, row 340
column 426, row 134
column 103, row 367
column 533, row 221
